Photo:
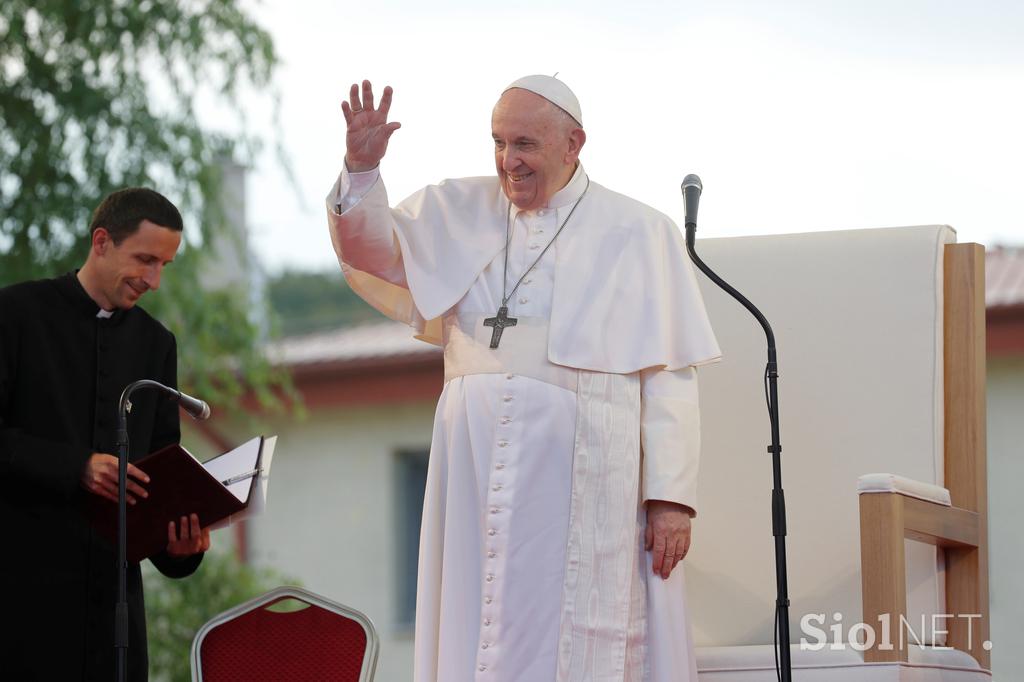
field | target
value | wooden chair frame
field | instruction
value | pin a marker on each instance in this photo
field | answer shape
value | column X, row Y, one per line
column 886, row 519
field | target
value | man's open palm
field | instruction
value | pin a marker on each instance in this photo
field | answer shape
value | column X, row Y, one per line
column 368, row 128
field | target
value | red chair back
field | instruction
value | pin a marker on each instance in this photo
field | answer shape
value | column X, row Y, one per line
column 321, row 641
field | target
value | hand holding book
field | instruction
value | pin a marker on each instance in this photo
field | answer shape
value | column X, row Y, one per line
column 191, row 540
column 184, row 499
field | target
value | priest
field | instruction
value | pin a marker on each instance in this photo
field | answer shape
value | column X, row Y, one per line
column 68, row 347
column 563, row 463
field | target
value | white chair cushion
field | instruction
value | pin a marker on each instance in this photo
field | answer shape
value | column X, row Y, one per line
column 891, row 483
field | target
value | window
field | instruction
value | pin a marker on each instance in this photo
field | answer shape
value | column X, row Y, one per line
column 411, row 482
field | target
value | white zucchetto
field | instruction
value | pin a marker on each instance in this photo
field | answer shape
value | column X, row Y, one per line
column 554, row 91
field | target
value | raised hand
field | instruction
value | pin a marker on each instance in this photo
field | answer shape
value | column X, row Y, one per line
column 368, row 128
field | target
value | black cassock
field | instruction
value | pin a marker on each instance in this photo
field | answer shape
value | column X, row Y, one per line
column 62, row 370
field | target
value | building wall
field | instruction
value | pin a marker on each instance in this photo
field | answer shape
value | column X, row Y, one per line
column 1006, row 509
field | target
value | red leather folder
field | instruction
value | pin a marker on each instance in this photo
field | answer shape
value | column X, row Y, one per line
column 179, row 485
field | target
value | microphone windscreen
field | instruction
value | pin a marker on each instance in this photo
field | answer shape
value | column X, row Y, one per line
column 197, row 409
column 692, row 188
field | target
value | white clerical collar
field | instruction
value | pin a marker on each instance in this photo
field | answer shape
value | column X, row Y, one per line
column 104, row 314
column 572, row 190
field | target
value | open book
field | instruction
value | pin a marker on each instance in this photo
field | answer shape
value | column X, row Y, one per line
column 225, row 489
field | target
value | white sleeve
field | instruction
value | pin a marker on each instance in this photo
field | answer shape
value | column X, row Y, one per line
column 351, row 188
column 670, row 435
column 362, row 227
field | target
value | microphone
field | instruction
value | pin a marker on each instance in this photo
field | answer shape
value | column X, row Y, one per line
column 196, row 408
column 692, row 188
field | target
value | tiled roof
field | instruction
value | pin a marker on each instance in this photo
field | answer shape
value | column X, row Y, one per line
column 1004, row 277
column 384, row 341
column 375, row 341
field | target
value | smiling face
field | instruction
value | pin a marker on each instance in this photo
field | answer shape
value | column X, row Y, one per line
column 536, row 147
column 120, row 274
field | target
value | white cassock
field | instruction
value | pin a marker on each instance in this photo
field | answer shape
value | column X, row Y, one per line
column 531, row 564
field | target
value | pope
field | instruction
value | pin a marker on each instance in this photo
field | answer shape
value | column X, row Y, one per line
column 563, row 463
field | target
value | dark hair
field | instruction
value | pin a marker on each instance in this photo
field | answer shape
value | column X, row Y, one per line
column 122, row 212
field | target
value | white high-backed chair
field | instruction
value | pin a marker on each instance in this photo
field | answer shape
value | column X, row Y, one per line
column 881, row 359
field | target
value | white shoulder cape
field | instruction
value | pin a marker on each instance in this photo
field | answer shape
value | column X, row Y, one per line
column 625, row 296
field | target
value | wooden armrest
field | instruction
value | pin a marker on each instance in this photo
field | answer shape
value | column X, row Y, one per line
column 938, row 524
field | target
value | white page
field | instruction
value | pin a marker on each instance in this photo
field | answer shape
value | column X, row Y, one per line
column 236, row 462
column 259, row 501
column 240, row 461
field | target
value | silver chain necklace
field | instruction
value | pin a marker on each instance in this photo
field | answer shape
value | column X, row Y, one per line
column 499, row 322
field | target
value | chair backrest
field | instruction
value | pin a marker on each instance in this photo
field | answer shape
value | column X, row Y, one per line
column 259, row 640
column 858, row 318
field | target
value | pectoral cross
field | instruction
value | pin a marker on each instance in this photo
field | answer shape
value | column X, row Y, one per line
column 499, row 323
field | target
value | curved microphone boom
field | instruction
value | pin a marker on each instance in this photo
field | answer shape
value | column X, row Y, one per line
column 692, row 188
column 196, row 408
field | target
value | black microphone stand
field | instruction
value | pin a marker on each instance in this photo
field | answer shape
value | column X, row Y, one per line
column 121, row 609
column 783, row 662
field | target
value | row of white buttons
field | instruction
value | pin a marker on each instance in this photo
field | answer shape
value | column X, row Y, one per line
column 504, row 440
column 496, row 487
column 523, row 300
column 537, row 231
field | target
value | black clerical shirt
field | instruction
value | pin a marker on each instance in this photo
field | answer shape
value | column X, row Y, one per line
column 62, row 370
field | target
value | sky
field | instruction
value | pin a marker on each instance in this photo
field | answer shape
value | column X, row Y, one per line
column 797, row 115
